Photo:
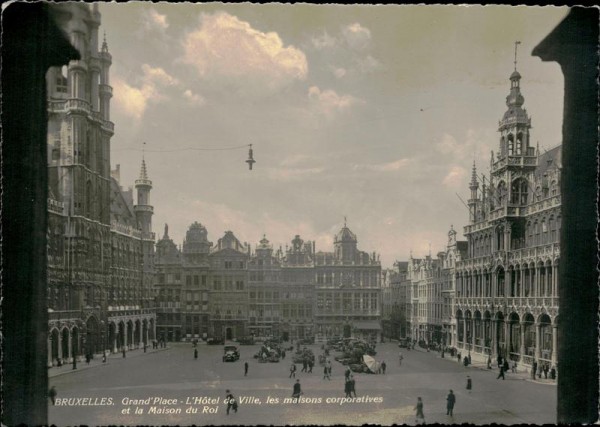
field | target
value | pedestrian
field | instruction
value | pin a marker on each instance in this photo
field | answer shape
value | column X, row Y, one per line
column 325, row 372
column 469, row 383
column 400, row 357
column 231, row 402
column 195, row 353
column 514, row 367
column 245, row 368
column 104, row 356
column 383, row 366
column 352, row 385
column 546, row 369
column 540, row 370
column 347, row 373
column 347, row 387
column 506, row 367
column 310, row 366
column 458, row 357
column 451, row 400
column 52, row 394
column 297, row 391
column 501, row 374
column 124, row 352
column 304, row 365
column 420, row 416
column 88, row 358
column 533, row 369
column 466, row 361
column 293, row 370
column 553, row 373
column 489, row 362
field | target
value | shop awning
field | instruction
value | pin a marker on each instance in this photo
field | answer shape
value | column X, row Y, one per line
column 367, row 325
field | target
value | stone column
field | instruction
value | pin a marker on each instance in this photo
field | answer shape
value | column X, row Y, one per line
column 125, row 332
column 60, row 355
column 554, row 344
column 494, row 343
column 507, row 336
column 49, row 342
column 522, row 343
column 70, row 350
column 538, row 332
column 114, row 340
column 146, row 334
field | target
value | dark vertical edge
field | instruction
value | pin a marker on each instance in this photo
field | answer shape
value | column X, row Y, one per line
column 574, row 45
column 30, row 44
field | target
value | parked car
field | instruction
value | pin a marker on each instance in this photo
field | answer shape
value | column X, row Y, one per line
column 230, row 353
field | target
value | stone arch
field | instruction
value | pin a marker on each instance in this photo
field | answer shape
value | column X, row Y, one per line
column 54, row 338
column 514, row 335
column 92, row 335
column 545, row 340
column 130, row 334
column 64, row 334
column 500, row 334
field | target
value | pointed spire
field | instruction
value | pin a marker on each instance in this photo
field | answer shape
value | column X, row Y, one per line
column 143, row 171
column 516, row 44
column 104, row 44
column 474, row 182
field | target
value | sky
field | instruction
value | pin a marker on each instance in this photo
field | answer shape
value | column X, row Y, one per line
column 369, row 114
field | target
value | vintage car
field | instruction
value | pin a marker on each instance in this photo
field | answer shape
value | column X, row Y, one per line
column 230, row 353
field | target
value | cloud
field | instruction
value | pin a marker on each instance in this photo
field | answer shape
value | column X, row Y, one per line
column 339, row 72
column 225, row 48
column 293, row 174
column 132, row 100
column 324, row 41
column 329, row 102
column 152, row 21
column 356, row 36
column 367, row 64
column 455, row 177
column 193, row 98
column 384, row 167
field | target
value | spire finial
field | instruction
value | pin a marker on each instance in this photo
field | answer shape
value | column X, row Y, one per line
column 344, row 220
column 143, row 171
column 516, row 44
column 104, row 44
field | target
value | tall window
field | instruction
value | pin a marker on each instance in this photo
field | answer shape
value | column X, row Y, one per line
column 519, row 191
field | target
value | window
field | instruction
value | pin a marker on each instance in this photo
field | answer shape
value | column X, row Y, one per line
column 239, row 285
column 228, row 264
column 188, row 280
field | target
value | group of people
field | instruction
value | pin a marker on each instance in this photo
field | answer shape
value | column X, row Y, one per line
column 420, row 412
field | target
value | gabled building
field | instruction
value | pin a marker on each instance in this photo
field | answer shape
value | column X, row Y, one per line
column 347, row 290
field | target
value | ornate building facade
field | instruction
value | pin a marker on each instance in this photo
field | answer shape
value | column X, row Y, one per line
column 229, row 292
column 506, row 300
column 347, row 290
column 100, row 244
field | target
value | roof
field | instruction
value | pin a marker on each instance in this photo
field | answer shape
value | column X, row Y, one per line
column 549, row 160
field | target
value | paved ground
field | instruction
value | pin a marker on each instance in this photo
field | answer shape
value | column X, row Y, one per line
column 169, row 383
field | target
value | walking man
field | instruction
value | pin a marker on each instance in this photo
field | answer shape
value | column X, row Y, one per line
column 352, row 386
column 501, row 374
column 326, row 372
column 293, row 370
column 231, row 402
column 347, row 373
column 347, row 387
column 310, row 366
column 297, row 391
column 304, row 365
column 451, row 400
column 245, row 368
column 400, row 357
column 383, row 366
column 420, row 416
column 469, row 384
column 195, row 353
column 533, row 369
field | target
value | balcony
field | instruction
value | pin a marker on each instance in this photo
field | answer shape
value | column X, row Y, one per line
column 530, row 254
column 542, row 205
